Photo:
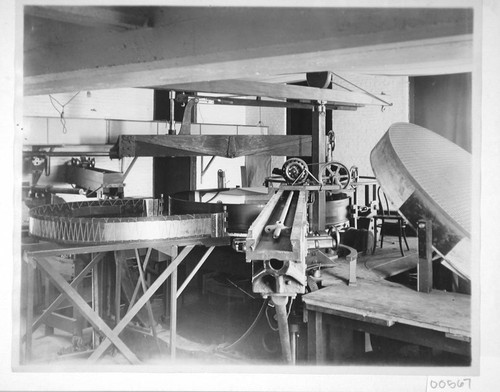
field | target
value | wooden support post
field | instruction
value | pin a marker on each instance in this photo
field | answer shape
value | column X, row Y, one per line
column 138, row 284
column 118, row 290
column 318, row 154
column 142, row 281
column 61, row 297
column 424, row 268
column 141, row 302
column 48, row 329
column 315, row 337
column 96, row 299
column 79, row 266
column 173, row 305
column 30, row 283
column 166, row 292
column 319, row 341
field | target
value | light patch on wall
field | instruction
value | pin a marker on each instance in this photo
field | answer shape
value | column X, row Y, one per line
column 357, row 132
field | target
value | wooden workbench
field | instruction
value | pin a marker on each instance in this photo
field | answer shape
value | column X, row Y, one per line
column 439, row 319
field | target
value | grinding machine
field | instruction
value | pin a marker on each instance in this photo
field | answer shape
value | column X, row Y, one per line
column 274, row 230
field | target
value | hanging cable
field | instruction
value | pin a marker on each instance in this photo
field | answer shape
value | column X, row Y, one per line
column 239, row 288
column 250, row 329
column 275, row 329
column 61, row 112
column 290, row 308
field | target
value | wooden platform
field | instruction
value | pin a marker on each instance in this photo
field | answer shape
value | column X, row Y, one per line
column 387, row 303
column 437, row 319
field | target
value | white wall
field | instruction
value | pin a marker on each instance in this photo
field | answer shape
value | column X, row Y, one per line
column 225, row 115
column 93, row 117
column 260, row 167
column 358, row 131
column 260, row 121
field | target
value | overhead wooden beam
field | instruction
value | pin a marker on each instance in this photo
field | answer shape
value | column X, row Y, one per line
column 239, row 47
column 90, row 16
column 432, row 57
column 278, row 90
column 229, row 146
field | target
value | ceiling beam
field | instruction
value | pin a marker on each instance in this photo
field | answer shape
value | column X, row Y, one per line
column 192, row 52
column 278, row 90
column 90, row 16
column 432, row 57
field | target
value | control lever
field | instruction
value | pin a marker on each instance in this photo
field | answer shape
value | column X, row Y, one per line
column 279, row 225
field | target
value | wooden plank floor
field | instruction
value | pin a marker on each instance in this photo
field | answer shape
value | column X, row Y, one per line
column 387, row 261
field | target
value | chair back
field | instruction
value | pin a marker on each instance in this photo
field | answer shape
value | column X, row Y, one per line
column 384, row 206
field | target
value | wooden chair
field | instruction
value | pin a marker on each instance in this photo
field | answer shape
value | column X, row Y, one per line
column 388, row 220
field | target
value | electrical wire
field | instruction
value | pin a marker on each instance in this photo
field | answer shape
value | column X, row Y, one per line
column 239, row 288
column 275, row 329
column 61, row 112
column 250, row 329
column 209, row 200
column 290, row 308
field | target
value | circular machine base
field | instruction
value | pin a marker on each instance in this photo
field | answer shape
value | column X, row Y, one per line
column 115, row 220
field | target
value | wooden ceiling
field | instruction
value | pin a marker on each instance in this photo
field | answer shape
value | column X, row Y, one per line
column 69, row 48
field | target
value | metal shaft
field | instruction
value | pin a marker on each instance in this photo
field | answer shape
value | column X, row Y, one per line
column 171, row 95
column 280, row 307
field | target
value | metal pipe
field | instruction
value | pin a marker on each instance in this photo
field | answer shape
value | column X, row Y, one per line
column 274, row 104
column 221, row 179
column 281, row 314
column 293, row 348
column 171, row 96
column 66, row 153
column 53, row 189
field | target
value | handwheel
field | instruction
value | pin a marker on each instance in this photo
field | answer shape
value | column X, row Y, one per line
column 295, row 171
column 335, row 173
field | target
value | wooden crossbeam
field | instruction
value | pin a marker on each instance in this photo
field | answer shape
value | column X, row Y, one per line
column 235, row 45
column 73, row 284
column 86, row 311
column 229, row 146
column 141, row 302
column 194, row 271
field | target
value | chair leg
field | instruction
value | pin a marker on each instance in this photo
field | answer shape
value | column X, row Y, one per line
column 374, row 235
column 404, row 237
column 400, row 238
column 382, row 234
